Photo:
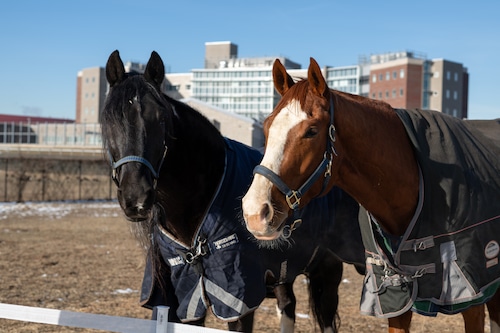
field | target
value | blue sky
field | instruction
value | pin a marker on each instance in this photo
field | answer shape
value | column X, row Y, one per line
column 45, row 43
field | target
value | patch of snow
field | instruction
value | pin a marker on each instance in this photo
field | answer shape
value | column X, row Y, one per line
column 302, row 315
column 124, row 291
column 58, row 210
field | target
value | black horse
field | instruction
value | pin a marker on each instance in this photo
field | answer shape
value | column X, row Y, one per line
column 182, row 182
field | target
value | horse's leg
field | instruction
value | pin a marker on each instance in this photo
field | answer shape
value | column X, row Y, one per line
column 244, row 324
column 494, row 312
column 474, row 319
column 286, row 306
column 400, row 324
column 324, row 280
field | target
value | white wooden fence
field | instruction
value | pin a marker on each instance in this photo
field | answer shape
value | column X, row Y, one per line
column 98, row 321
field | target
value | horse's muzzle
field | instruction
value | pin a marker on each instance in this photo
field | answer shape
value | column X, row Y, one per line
column 137, row 208
column 136, row 214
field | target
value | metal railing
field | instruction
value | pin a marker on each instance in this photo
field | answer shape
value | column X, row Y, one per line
column 55, row 134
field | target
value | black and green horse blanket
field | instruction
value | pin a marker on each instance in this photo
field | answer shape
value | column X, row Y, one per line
column 447, row 260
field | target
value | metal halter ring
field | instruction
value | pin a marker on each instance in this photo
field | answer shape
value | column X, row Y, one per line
column 288, row 229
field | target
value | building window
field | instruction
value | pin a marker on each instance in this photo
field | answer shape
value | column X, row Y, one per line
column 394, row 94
column 455, row 113
column 387, row 76
column 455, row 75
column 374, row 78
column 402, row 73
column 394, row 75
column 381, row 77
column 455, row 95
column 387, row 94
column 448, row 75
column 374, row 95
column 380, row 95
column 447, row 93
column 401, row 92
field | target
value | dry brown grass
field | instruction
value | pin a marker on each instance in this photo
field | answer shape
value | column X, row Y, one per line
column 79, row 256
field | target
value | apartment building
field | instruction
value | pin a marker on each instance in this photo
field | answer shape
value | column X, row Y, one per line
column 448, row 88
column 409, row 80
column 245, row 87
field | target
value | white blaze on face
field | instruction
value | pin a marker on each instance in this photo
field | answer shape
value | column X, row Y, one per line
column 259, row 191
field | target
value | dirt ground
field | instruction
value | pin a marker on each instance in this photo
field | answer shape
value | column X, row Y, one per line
column 82, row 257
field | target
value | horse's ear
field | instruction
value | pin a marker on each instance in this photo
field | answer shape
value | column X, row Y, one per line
column 155, row 70
column 114, row 68
column 282, row 81
column 316, row 80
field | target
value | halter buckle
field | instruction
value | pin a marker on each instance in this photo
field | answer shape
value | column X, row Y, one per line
column 293, row 199
column 328, row 169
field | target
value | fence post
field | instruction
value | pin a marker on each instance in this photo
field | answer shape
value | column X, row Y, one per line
column 44, row 176
column 5, row 179
column 161, row 318
column 80, row 180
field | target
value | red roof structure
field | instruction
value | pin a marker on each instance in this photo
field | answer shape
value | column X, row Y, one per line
column 32, row 119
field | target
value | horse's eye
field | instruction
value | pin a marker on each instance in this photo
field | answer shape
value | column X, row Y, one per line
column 311, row 132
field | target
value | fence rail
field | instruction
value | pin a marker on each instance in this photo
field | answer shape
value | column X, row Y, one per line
column 98, row 321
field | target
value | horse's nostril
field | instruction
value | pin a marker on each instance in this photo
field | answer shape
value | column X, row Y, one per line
column 266, row 213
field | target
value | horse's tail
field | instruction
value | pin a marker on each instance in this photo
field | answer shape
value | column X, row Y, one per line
column 325, row 275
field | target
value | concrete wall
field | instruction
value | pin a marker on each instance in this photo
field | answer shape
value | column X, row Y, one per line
column 34, row 179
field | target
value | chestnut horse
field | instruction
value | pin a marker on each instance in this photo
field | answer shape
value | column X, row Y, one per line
column 317, row 137
column 181, row 181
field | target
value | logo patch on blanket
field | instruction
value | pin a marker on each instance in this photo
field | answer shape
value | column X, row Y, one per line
column 226, row 242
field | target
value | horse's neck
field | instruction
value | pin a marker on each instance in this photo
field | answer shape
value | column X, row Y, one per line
column 377, row 163
column 194, row 167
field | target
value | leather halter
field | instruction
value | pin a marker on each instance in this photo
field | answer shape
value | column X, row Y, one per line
column 293, row 197
column 137, row 159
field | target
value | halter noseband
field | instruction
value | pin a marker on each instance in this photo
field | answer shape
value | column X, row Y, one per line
column 293, row 197
column 137, row 159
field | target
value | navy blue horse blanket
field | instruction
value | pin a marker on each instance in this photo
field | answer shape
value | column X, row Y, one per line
column 224, row 268
column 447, row 260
